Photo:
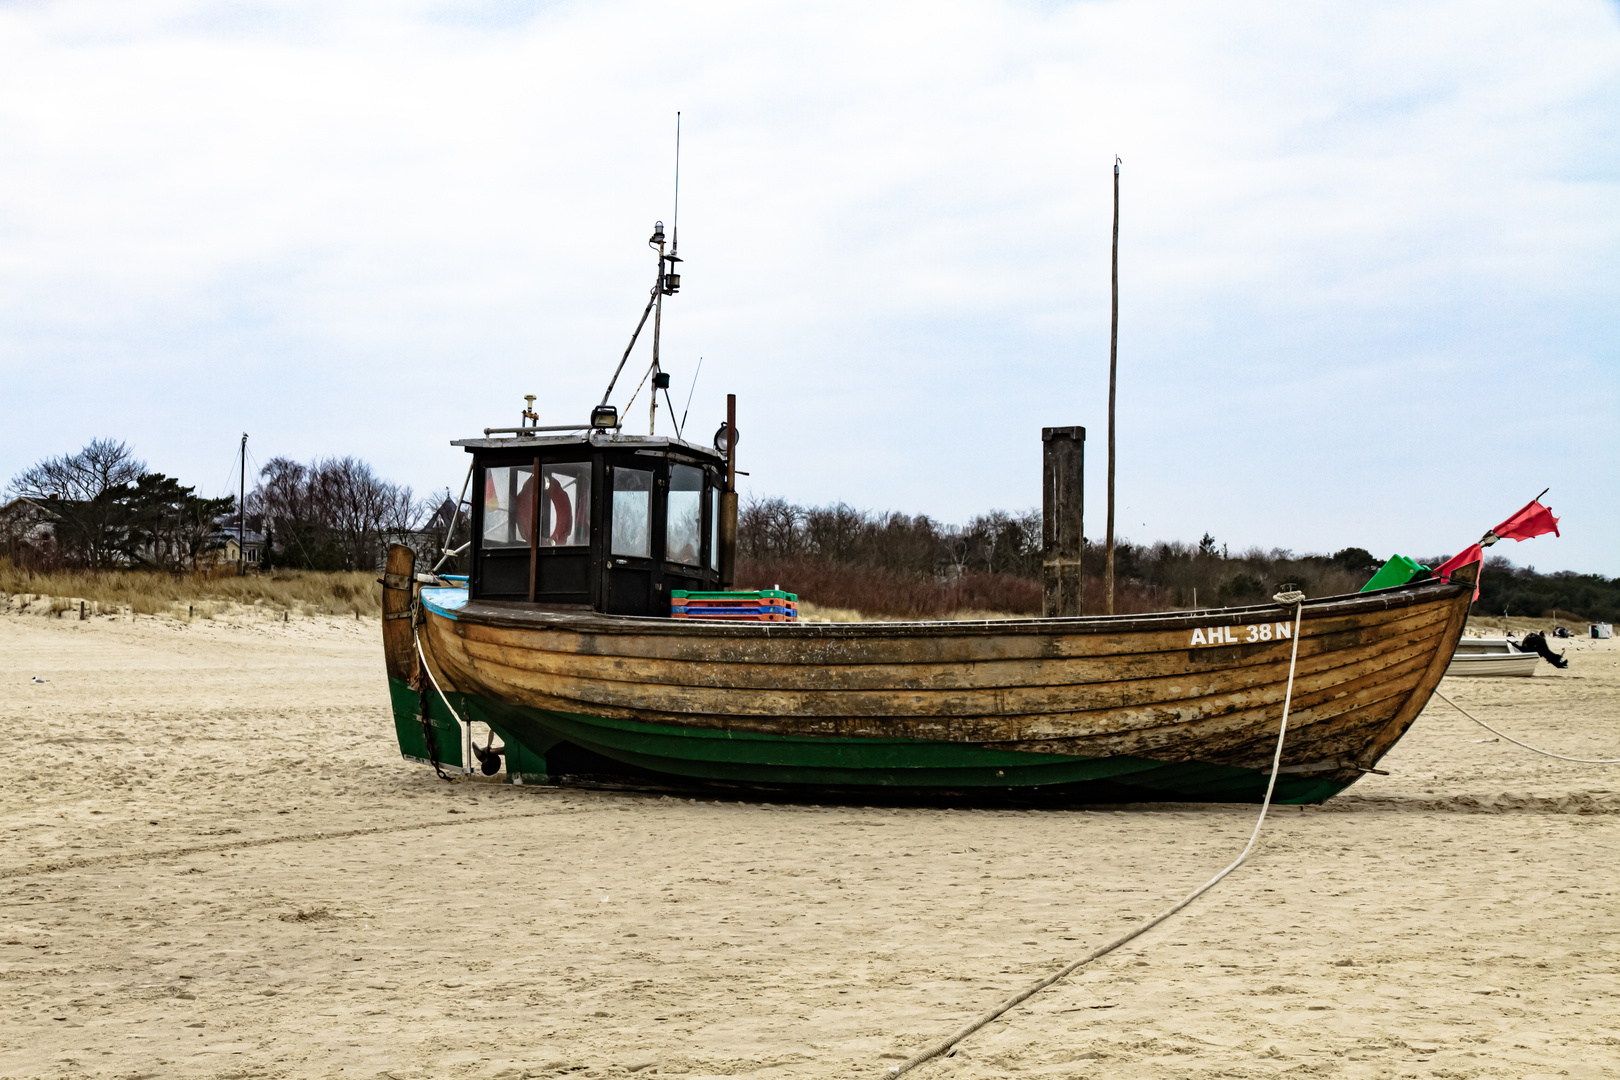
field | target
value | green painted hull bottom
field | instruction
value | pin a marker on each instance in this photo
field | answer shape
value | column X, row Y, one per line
column 408, row 728
column 544, row 747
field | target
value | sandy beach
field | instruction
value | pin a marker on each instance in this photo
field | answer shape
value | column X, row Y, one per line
column 216, row 865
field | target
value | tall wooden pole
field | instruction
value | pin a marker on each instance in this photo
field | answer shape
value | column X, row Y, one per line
column 241, row 515
column 1113, row 366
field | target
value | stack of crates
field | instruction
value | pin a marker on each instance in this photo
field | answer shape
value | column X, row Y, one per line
column 759, row 605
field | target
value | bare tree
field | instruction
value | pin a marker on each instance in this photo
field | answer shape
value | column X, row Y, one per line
column 88, row 475
column 333, row 513
column 834, row 532
column 82, row 492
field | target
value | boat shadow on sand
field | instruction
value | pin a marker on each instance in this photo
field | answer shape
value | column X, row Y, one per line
column 1575, row 802
column 1597, row 802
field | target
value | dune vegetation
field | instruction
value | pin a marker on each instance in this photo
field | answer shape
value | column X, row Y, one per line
column 141, row 592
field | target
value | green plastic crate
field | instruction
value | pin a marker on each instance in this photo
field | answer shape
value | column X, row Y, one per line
column 1398, row 571
column 736, row 594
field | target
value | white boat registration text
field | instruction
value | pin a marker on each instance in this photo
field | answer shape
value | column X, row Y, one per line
column 1243, row 635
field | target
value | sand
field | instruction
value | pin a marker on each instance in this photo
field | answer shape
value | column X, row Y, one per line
column 216, row 865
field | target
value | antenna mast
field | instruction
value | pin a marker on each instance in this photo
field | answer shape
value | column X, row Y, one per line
column 669, row 281
column 675, row 228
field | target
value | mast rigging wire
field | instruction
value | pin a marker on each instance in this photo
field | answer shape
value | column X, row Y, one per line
column 681, row 427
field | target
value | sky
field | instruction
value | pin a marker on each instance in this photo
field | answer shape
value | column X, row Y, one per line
column 1369, row 256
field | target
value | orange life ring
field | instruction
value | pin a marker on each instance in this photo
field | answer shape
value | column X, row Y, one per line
column 562, row 511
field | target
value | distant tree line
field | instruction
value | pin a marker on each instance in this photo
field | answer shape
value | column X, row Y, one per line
column 102, row 508
column 1521, row 590
column 893, row 564
column 332, row 514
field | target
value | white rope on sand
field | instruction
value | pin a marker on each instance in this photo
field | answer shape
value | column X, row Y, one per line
column 1527, row 746
column 1298, row 600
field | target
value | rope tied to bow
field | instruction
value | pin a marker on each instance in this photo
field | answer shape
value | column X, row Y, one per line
column 427, row 724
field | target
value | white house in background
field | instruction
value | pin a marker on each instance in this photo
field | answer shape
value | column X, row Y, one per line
column 230, row 552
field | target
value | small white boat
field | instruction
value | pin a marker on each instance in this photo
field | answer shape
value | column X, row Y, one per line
column 1491, row 656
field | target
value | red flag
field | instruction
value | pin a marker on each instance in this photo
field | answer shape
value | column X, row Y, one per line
column 1475, row 554
column 1533, row 520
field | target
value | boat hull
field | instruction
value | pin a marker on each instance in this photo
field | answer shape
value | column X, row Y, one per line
column 548, row 747
column 1517, row 665
column 1171, row 707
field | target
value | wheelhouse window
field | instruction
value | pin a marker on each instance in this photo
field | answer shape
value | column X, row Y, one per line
column 566, row 512
column 683, row 527
column 508, row 506
column 714, row 529
column 632, row 513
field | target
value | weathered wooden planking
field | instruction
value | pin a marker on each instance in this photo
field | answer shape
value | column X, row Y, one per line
column 1112, row 656
column 1212, row 666
column 587, row 633
column 1245, row 740
column 398, row 583
column 1084, row 687
column 1382, row 739
column 1383, row 671
column 493, row 671
column 1225, row 712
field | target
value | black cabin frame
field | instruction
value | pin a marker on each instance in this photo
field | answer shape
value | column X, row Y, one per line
column 591, row 576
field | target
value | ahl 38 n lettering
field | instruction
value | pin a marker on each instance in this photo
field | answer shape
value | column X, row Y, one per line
column 1243, row 635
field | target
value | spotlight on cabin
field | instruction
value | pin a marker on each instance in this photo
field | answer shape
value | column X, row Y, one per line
column 605, row 417
column 723, row 438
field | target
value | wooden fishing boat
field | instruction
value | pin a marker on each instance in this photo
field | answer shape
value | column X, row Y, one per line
column 560, row 640
column 1175, row 706
column 1182, row 705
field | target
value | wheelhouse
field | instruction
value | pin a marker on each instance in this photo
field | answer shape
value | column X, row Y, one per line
column 596, row 520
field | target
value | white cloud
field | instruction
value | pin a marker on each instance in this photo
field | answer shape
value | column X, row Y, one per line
column 1368, row 251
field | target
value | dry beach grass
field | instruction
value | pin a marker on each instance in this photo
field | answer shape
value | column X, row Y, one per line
column 138, row 592
column 216, row 865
